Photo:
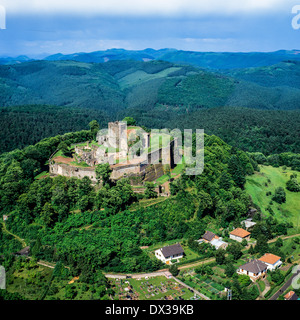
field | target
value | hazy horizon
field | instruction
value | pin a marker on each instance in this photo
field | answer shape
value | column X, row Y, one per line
column 49, row 27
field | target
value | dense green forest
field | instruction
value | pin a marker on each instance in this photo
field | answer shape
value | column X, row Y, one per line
column 40, row 99
column 251, row 130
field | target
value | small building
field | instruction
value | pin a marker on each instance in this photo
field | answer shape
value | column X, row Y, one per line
column 166, row 254
column 23, row 252
column 239, row 234
column 255, row 269
column 271, row 260
column 209, row 236
column 219, row 243
column 5, row 217
column 291, row 296
column 248, row 223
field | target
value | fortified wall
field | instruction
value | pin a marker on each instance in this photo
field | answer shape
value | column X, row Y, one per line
column 92, row 154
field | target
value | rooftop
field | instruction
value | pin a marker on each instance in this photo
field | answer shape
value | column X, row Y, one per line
column 291, row 296
column 269, row 258
column 239, row 232
column 172, row 250
column 208, row 235
column 254, row 266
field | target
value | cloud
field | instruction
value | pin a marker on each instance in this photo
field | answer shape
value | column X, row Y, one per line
column 145, row 7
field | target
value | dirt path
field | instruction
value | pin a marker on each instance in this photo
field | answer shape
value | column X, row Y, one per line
column 14, row 235
column 285, row 237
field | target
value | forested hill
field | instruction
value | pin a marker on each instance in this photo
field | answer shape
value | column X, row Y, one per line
column 39, row 99
column 211, row 60
column 118, row 85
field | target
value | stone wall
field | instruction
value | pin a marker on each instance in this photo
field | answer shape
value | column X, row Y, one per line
column 70, row 171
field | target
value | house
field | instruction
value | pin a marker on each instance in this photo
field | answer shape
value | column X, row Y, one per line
column 166, row 254
column 239, row 234
column 209, row 236
column 255, row 269
column 219, row 243
column 248, row 223
column 5, row 217
column 291, row 296
column 273, row 262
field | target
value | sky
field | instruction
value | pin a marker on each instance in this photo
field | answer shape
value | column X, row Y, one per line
column 42, row 27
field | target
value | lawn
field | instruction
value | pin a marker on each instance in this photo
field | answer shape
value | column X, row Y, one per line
column 267, row 180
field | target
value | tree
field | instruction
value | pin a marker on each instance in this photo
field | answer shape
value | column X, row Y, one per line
column 229, row 270
column 150, row 190
column 130, row 121
column 70, row 292
column 244, row 243
column 94, row 127
column 47, row 214
column 251, row 250
column 174, row 270
column 220, row 256
column 261, row 245
column 292, row 184
column 236, row 170
column 280, row 195
column 244, row 280
column 36, row 248
column 103, row 172
column 63, row 147
column 235, row 250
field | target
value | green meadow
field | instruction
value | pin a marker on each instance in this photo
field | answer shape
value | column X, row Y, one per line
column 267, row 180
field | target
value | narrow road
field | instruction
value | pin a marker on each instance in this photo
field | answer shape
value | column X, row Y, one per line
column 284, row 237
column 285, row 286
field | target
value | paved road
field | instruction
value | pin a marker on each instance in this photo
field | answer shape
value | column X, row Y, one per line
column 284, row 287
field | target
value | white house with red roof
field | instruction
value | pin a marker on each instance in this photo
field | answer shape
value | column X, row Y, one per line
column 271, row 260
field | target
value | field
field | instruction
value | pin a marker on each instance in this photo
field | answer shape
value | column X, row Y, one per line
column 267, row 180
column 156, row 288
column 139, row 76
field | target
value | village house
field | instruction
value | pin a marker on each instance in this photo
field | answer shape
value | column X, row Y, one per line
column 209, row 236
column 255, row 269
column 219, row 244
column 271, row 260
column 166, row 254
column 291, row 296
column 248, row 223
column 239, row 234
column 214, row 240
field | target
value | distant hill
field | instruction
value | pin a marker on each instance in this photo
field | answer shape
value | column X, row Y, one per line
column 211, row 60
column 118, row 85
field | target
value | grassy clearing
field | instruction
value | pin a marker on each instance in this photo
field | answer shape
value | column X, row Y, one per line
column 42, row 175
column 267, row 180
column 138, row 77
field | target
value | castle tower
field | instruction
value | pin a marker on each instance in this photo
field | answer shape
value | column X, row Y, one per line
column 117, row 136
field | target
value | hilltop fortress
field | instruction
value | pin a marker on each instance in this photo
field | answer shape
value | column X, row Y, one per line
column 130, row 151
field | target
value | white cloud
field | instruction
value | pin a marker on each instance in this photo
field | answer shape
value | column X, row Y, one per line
column 146, row 7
